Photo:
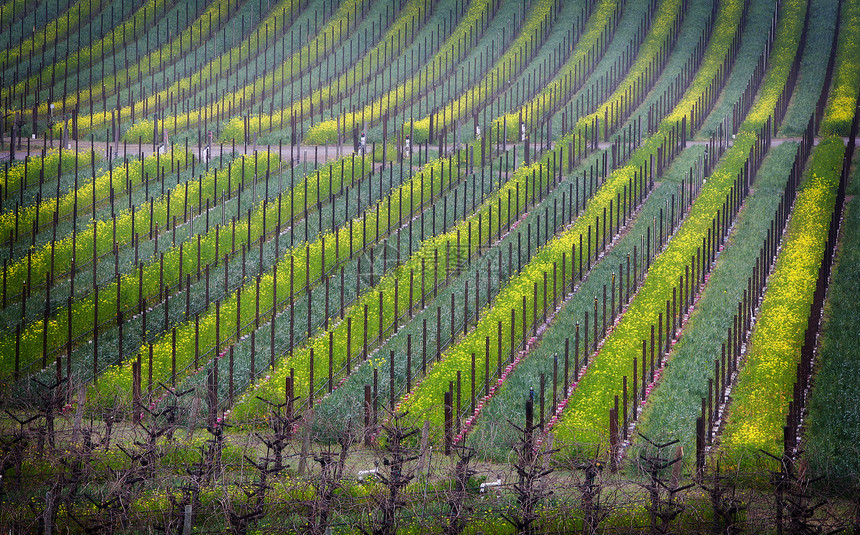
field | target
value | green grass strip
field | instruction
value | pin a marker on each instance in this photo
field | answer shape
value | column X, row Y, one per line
column 428, row 394
column 511, row 297
column 553, row 339
column 424, row 400
column 834, row 403
column 492, row 216
column 676, row 402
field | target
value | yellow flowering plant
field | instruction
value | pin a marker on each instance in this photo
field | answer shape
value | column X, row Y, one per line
column 301, row 257
column 177, row 260
column 428, row 393
column 765, row 382
column 121, row 179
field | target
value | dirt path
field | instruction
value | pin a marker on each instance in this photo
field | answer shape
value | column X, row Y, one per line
column 302, row 153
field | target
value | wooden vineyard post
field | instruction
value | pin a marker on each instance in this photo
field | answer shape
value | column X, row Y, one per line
column 459, row 400
column 95, row 334
column 529, row 428
column 348, row 345
column 135, row 390
column 365, row 354
column 499, row 350
column 375, row 396
column 487, row 366
column 554, row 381
column 408, row 363
column 391, row 398
column 472, row 384
column 311, row 379
column 635, row 388
column 367, row 415
column 710, row 403
column 465, row 309
column 542, row 398
column 624, row 409
column 230, row 377
column 613, row 437
column 700, row 447
column 448, row 422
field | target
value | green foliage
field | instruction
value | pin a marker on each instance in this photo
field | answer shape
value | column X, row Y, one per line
column 57, row 256
column 177, row 260
column 833, row 431
column 121, row 179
